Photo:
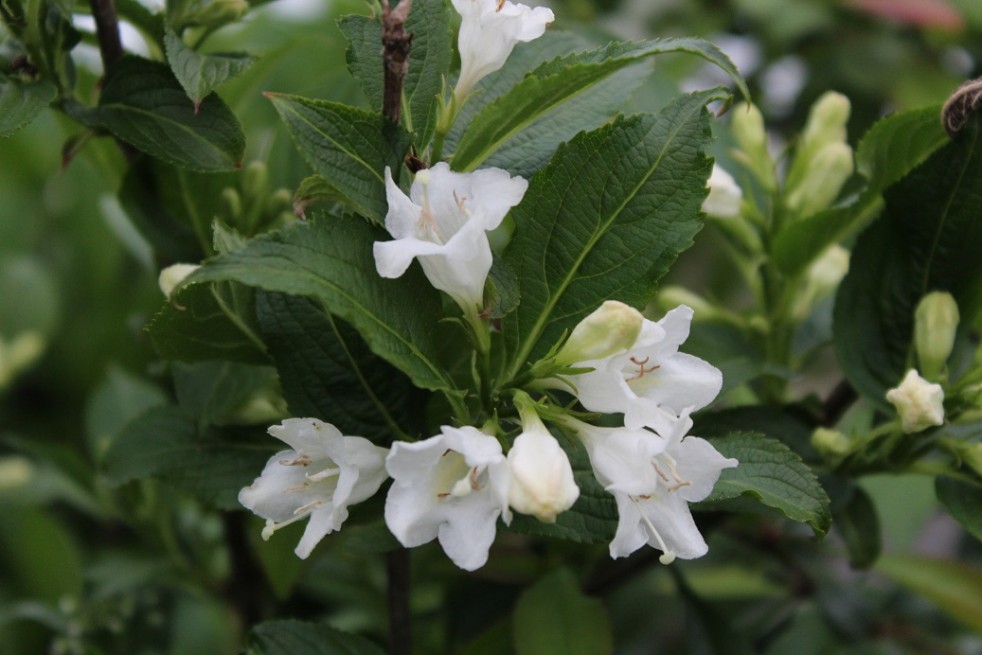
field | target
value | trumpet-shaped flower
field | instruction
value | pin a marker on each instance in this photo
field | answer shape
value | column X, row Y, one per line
column 489, row 30
column 322, row 474
column 542, row 482
column 652, row 382
column 653, row 479
column 444, row 223
column 450, row 487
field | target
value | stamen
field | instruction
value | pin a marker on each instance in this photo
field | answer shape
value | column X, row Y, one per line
column 679, row 482
column 667, row 556
column 501, row 5
column 323, row 475
column 642, row 371
column 302, row 459
column 426, row 220
column 298, row 514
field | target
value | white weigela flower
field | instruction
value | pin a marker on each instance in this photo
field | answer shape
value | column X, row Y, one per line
column 320, row 477
column 653, row 479
column 652, row 382
column 444, row 223
column 725, row 195
column 489, row 30
column 450, row 487
column 542, row 482
column 919, row 403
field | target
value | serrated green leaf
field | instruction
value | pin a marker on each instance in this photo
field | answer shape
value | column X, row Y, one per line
column 328, row 372
column 963, row 500
column 164, row 443
column 196, row 327
column 21, row 102
column 928, row 239
column 143, row 104
column 314, row 189
column 348, row 147
column 331, row 259
column 429, row 61
column 209, row 391
column 604, row 220
column 889, row 151
column 774, row 475
column 956, row 587
column 201, row 74
column 555, row 616
column 294, row 637
column 555, row 82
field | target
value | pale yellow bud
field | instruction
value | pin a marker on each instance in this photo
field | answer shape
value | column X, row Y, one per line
column 173, row 275
column 919, row 403
column 822, row 179
column 610, row 329
column 821, row 279
column 826, row 120
column 935, row 323
column 542, row 483
column 831, row 443
column 748, row 129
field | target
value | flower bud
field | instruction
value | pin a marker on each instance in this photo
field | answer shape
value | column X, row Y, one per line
column 724, row 196
column 919, row 403
column 831, row 443
column 935, row 324
column 748, row 129
column 542, row 482
column 821, row 279
column 826, row 126
column 610, row 329
column 173, row 275
column 819, row 185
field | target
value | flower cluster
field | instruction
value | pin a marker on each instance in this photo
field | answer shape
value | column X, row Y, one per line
column 455, row 485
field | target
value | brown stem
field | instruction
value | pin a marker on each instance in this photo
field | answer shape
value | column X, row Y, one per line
column 396, row 44
column 107, row 31
column 400, row 622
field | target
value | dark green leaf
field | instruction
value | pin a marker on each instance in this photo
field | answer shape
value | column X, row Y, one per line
column 928, row 239
column 956, row 587
column 709, row 631
column 328, row 372
column 963, row 500
column 858, row 523
column 364, row 55
column 294, row 638
column 559, row 80
column 143, row 104
column 209, row 391
column 21, row 102
column 782, row 424
column 201, row 74
column 888, row 152
column 554, row 616
column 331, row 259
column 120, row 398
column 348, row 147
column 771, row 473
column 604, row 220
column 314, row 189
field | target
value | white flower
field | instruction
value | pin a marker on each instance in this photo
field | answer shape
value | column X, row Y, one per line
column 451, row 487
column 651, row 383
column 653, row 479
column 489, row 30
column 724, row 196
column 542, row 482
column 320, row 477
column 444, row 222
column 919, row 403
column 173, row 275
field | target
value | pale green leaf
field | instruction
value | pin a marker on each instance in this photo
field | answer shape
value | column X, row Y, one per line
column 555, row 616
column 201, row 74
column 21, row 102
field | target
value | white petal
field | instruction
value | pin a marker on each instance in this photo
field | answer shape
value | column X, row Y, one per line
column 700, row 464
column 680, row 381
column 467, row 537
column 670, row 516
column 322, row 522
column 403, row 215
column 307, row 435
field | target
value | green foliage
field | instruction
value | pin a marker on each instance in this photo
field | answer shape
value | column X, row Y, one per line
column 288, row 637
column 21, row 102
column 554, row 616
column 200, row 74
column 955, row 586
column 963, row 500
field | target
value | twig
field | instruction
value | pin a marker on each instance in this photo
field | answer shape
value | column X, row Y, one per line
column 396, row 45
column 107, row 31
column 400, row 622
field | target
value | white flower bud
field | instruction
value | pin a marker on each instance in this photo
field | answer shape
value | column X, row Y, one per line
column 831, row 443
column 827, row 120
column 919, row 403
column 725, row 195
column 935, row 323
column 748, row 130
column 173, row 275
column 826, row 126
column 610, row 329
column 821, row 181
column 821, row 279
column 542, row 482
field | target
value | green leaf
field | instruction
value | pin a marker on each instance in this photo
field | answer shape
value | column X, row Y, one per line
column 199, row 325
column 963, row 500
column 294, row 637
column 314, row 189
column 559, row 80
column 331, row 259
column 120, row 398
column 328, row 372
column 143, row 104
column 858, row 523
column 555, row 616
column 348, row 147
column 209, row 391
column 775, row 476
column 38, row 556
column 927, row 239
column 604, row 220
column 888, row 152
column 164, row 443
column 708, row 629
column 429, row 61
column 955, row 587
column 21, row 102
column 201, row 74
